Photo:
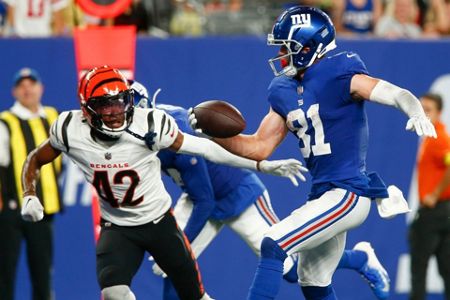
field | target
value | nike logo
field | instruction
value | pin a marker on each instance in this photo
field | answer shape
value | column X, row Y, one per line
column 156, row 221
column 351, row 55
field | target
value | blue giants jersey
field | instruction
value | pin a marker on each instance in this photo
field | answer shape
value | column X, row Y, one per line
column 332, row 128
column 217, row 191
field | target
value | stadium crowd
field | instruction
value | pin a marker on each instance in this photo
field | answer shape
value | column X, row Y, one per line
column 161, row 18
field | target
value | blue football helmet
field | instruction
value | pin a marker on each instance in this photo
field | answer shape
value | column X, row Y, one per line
column 304, row 34
column 141, row 96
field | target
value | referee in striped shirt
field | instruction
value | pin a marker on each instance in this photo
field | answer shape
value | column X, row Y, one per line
column 24, row 126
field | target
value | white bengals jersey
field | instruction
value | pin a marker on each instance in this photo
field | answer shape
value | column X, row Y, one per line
column 125, row 173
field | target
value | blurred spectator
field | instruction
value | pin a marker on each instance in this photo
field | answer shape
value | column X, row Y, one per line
column 436, row 20
column 430, row 231
column 235, row 5
column 34, row 18
column 22, row 128
column 2, row 17
column 75, row 17
column 356, row 16
column 214, row 6
column 136, row 15
column 398, row 21
column 187, row 21
column 160, row 13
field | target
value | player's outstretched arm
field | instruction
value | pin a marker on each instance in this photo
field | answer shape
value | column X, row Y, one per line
column 259, row 145
column 32, row 209
column 380, row 91
column 189, row 144
column 165, row 134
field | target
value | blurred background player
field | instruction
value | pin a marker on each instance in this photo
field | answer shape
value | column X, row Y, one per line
column 430, row 231
column 22, row 128
column 26, row 18
column 115, row 145
column 356, row 16
column 321, row 101
column 215, row 196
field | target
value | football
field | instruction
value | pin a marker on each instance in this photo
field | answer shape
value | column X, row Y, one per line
column 219, row 119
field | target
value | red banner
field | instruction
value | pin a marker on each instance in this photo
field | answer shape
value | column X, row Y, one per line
column 112, row 46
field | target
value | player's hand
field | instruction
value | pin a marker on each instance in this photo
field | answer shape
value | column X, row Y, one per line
column 156, row 269
column 32, row 209
column 193, row 124
column 290, row 168
column 422, row 126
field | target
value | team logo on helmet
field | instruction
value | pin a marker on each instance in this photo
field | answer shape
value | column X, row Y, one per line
column 303, row 35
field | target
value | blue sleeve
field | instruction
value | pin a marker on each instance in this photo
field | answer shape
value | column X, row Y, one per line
column 351, row 64
column 197, row 184
column 282, row 94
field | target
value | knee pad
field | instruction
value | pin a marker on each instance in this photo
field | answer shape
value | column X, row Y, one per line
column 270, row 249
column 118, row 292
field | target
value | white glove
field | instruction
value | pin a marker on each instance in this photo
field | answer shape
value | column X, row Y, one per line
column 422, row 126
column 193, row 124
column 32, row 209
column 289, row 168
column 156, row 269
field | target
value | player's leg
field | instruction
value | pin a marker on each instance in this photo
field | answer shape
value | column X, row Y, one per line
column 173, row 254
column 10, row 231
column 317, row 265
column 252, row 224
column 443, row 256
column 364, row 260
column 118, row 259
column 423, row 242
column 182, row 213
column 39, row 247
column 307, row 227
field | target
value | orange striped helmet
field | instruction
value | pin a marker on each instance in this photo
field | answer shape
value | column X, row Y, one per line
column 107, row 101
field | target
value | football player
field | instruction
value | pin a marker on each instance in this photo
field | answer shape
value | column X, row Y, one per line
column 115, row 145
column 320, row 99
column 215, row 196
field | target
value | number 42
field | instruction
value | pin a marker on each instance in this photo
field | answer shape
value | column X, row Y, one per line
column 297, row 122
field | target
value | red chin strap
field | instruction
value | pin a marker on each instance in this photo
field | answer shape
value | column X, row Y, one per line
column 284, row 62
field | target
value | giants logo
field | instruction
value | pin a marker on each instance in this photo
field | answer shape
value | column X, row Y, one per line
column 303, row 20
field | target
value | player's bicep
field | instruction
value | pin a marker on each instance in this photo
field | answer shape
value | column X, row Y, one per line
column 361, row 86
column 46, row 153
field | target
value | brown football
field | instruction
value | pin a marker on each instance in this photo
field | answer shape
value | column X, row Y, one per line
column 219, row 119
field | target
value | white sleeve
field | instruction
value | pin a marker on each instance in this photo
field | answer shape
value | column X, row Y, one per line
column 165, row 127
column 5, row 158
column 58, row 130
column 213, row 152
column 389, row 94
